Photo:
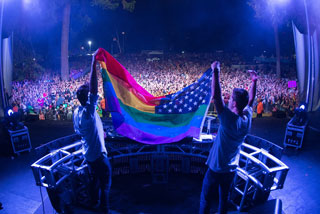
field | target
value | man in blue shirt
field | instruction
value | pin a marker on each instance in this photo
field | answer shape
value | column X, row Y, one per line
column 88, row 125
column 235, row 122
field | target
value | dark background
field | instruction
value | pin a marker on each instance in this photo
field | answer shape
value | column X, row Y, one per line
column 170, row 25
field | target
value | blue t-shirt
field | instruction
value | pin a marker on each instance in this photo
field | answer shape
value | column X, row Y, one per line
column 88, row 125
column 224, row 154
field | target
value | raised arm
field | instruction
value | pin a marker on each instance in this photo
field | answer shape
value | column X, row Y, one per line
column 253, row 87
column 93, row 86
column 217, row 97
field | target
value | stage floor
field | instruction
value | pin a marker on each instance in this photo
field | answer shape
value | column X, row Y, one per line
column 300, row 194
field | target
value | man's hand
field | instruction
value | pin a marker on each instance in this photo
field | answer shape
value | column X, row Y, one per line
column 215, row 66
column 93, row 86
column 216, row 88
column 253, row 75
column 253, row 88
column 94, row 60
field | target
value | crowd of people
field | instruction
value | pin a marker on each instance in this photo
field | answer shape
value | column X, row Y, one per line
column 51, row 98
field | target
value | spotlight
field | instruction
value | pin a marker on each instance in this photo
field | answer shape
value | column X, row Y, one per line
column 11, row 119
column 89, row 43
column 10, row 112
column 300, row 116
column 302, row 107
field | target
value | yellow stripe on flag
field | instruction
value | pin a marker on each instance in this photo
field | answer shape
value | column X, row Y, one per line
column 126, row 94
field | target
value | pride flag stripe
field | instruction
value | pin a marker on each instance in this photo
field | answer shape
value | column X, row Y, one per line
column 138, row 115
column 128, row 95
column 167, row 120
column 137, row 134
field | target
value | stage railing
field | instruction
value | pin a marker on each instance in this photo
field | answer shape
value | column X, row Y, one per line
column 52, row 169
column 259, row 172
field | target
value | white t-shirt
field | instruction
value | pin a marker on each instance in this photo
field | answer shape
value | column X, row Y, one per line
column 88, row 125
column 224, row 154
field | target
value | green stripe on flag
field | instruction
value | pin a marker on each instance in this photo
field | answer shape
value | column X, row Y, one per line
column 166, row 120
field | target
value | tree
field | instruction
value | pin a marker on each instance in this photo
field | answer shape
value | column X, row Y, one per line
column 26, row 61
column 65, row 41
column 105, row 4
column 266, row 10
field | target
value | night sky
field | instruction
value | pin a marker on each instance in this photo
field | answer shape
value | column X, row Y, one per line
column 169, row 25
column 198, row 26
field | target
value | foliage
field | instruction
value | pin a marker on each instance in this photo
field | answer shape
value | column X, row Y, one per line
column 269, row 11
column 129, row 6
column 114, row 4
column 26, row 61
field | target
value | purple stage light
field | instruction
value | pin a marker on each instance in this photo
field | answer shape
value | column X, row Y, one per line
column 279, row 2
column 27, row 3
column 31, row 5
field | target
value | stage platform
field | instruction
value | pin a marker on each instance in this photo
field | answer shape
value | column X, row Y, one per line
column 299, row 195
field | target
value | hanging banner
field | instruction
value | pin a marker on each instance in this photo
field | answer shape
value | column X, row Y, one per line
column 7, row 66
column 308, row 82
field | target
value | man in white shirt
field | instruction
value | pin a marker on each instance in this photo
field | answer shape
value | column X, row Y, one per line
column 88, row 125
column 235, row 122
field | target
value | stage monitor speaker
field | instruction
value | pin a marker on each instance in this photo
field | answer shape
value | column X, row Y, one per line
column 294, row 134
column 20, row 140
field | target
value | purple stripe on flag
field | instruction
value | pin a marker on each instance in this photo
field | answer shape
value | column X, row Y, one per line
column 113, row 104
column 147, row 138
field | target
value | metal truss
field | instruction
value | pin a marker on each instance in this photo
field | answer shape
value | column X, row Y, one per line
column 117, row 150
column 63, row 169
column 258, row 173
column 52, row 169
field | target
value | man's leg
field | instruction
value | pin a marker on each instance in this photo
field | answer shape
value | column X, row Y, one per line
column 225, row 181
column 105, row 183
column 94, row 184
column 207, row 194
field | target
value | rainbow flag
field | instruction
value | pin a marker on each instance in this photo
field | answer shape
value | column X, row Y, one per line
column 140, row 116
